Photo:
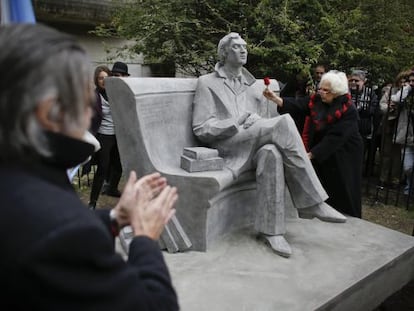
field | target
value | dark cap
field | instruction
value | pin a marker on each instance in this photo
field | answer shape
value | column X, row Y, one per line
column 120, row 67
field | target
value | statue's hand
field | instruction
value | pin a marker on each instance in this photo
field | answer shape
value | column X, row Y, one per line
column 251, row 120
column 226, row 128
column 243, row 117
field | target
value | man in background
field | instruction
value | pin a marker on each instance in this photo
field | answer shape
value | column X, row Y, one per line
column 367, row 104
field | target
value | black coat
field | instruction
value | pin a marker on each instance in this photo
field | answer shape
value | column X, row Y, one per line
column 97, row 116
column 56, row 254
column 337, row 149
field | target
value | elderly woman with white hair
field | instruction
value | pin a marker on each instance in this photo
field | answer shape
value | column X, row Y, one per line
column 332, row 139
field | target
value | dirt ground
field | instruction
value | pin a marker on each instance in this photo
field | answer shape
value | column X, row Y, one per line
column 389, row 209
column 390, row 216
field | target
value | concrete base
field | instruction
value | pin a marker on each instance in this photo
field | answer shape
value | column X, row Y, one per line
column 351, row 266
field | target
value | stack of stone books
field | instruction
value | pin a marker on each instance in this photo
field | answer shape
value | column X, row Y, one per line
column 200, row 159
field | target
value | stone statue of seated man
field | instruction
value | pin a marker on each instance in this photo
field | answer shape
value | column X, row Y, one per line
column 233, row 117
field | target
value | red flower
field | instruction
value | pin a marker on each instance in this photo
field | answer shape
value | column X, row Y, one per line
column 338, row 114
column 266, row 81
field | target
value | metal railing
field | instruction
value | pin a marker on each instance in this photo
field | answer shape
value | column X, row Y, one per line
column 397, row 187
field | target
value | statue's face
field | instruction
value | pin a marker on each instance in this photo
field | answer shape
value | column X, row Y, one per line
column 237, row 52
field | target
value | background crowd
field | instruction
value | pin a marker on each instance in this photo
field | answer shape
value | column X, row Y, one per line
column 384, row 119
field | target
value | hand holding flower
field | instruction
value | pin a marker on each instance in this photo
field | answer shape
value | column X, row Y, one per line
column 266, row 81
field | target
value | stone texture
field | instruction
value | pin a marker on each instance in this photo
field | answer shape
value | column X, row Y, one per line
column 270, row 194
column 210, row 203
column 172, row 239
column 351, row 266
column 200, row 153
column 193, row 165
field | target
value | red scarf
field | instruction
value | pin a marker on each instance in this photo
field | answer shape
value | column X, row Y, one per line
column 322, row 114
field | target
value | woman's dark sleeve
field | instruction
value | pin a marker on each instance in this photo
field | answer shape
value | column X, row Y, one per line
column 96, row 119
column 76, row 268
column 296, row 107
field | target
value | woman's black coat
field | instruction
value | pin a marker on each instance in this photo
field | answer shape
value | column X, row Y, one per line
column 337, row 153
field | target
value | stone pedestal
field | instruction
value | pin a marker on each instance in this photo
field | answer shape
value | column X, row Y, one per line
column 352, row 266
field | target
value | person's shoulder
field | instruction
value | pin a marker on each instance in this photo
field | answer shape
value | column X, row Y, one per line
column 16, row 180
column 31, row 194
column 35, row 209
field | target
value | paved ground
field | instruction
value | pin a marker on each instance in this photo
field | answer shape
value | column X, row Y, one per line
column 352, row 266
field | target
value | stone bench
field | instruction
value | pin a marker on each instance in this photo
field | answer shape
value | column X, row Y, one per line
column 152, row 119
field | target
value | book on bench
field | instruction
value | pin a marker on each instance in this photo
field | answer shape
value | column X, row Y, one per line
column 200, row 159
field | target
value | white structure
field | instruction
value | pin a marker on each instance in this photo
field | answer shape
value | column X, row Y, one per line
column 79, row 18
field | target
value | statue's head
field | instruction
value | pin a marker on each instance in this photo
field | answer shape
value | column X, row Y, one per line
column 232, row 48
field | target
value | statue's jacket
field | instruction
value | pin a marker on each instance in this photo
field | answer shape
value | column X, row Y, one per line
column 217, row 108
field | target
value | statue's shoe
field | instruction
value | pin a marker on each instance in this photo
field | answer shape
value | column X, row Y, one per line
column 322, row 211
column 279, row 244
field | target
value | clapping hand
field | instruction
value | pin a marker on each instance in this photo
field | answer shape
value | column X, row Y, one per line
column 151, row 218
column 146, row 204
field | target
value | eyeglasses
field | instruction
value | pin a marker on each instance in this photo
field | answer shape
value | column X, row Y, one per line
column 324, row 91
column 354, row 80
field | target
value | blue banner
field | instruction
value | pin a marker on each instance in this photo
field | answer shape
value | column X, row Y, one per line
column 17, row 11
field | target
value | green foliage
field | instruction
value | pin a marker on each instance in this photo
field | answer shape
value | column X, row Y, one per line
column 285, row 37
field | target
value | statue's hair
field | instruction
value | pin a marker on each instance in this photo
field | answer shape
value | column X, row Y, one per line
column 337, row 80
column 38, row 62
column 224, row 44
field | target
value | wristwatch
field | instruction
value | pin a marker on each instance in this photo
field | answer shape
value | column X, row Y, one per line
column 115, row 228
